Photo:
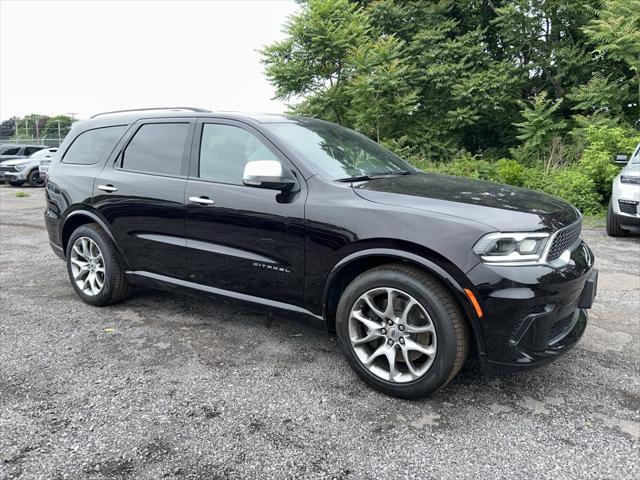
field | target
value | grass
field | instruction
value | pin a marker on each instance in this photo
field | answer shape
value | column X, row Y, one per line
column 595, row 221
column 21, row 194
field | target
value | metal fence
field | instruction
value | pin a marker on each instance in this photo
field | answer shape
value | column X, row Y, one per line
column 47, row 141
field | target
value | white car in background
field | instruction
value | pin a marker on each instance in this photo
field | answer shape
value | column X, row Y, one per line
column 623, row 215
column 21, row 170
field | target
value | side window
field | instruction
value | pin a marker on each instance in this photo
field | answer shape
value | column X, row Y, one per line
column 224, row 151
column 31, row 150
column 157, row 148
column 93, row 145
column 10, row 151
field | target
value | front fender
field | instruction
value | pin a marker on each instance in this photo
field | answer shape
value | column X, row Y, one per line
column 455, row 285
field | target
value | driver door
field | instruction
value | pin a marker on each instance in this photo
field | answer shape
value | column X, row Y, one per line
column 242, row 239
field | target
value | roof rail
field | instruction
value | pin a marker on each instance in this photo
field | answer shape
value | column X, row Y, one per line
column 193, row 109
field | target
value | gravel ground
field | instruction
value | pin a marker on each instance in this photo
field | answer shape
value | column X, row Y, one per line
column 167, row 386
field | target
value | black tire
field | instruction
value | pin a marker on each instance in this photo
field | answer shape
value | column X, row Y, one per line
column 17, row 183
column 34, row 178
column 449, row 323
column 613, row 224
column 116, row 287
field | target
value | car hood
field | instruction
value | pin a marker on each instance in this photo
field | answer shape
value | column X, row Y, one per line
column 502, row 207
column 631, row 169
column 16, row 161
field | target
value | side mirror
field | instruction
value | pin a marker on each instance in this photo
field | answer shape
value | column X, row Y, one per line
column 621, row 159
column 268, row 174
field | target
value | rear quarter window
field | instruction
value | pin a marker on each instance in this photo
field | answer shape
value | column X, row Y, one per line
column 92, row 146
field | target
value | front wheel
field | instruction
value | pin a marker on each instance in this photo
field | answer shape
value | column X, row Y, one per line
column 34, row 179
column 94, row 267
column 402, row 331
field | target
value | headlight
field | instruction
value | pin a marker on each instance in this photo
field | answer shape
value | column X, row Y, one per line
column 511, row 247
column 628, row 179
column 20, row 166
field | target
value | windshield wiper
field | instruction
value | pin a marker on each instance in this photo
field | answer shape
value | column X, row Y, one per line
column 357, row 178
column 363, row 178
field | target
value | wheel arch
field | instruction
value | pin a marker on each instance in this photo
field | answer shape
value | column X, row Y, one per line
column 80, row 217
column 347, row 269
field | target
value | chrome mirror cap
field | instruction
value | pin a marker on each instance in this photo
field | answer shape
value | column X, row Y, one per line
column 268, row 174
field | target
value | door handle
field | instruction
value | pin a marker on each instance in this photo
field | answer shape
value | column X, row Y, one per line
column 107, row 188
column 201, row 200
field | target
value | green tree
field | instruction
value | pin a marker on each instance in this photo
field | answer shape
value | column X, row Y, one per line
column 539, row 127
column 311, row 61
column 615, row 32
column 8, row 127
column 57, row 127
column 30, row 127
column 469, row 64
column 381, row 97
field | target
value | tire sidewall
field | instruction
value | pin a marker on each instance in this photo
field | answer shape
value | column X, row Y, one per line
column 31, row 179
column 439, row 373
column 91, row 232
column 613, row 225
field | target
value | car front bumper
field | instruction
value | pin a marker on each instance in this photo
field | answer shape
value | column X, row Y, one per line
column 12, row 176
column 533, row 314
column 625, row 201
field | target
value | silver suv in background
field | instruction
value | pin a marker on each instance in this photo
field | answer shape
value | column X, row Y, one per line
column 10, row 151
column 21, row 170
column 623, row 215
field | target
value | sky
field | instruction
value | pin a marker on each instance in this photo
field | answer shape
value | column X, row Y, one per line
column 90, row 56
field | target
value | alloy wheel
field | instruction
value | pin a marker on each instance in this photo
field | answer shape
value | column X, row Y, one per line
column 392, row 335
column 87, row 266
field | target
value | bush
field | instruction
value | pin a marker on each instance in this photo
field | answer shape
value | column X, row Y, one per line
column 597, row 164
column 572, row 185
column 472, row 167
column 604, row 141
column 511, row 172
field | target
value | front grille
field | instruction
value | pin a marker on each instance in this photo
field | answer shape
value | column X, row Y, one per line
column 628, row 207
column 8, row 168
column 559, row 328
column 563, row 239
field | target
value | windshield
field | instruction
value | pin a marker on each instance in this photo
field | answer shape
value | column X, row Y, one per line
column 45, row 152
column 338, row 152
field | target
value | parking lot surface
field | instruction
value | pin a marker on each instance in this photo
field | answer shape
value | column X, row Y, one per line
column 169, row 386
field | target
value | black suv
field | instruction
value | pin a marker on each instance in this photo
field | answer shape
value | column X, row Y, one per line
column 413, row 271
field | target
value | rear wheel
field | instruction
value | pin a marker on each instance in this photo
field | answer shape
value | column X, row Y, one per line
column 94, row 267
column 613, row 224
column 34, row 179
column 401, row 331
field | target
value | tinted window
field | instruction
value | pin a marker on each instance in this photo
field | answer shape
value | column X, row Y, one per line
column 157, row 148
column 224, row 151
column 10, row 151
column 93, row 145
column 337, row 151
column 31, row 150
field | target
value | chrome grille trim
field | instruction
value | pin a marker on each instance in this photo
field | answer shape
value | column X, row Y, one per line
column 563, row 239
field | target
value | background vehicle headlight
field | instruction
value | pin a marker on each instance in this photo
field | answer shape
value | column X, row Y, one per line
column 511, row 247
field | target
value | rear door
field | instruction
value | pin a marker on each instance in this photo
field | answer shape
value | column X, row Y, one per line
column 244, row 239
column 141, row 194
